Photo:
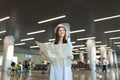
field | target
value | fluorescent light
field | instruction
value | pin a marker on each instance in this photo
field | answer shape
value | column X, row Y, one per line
column 19, row 44
column 51, row 39
column 47, row 43
column 76, row 31
column 56, row 18
column 106, row 18
column 75, row 49
column 116, row 42
column 78, row 46
column 78, row 52
column 36, row 32
column 85, row 38
column 108, row 47
column 73, row 42
column 97, row 51
column 118, row 45
column 3, row 31
column 0, row 38
column 75, row 53
column 100, row 45
column 98, row 56
column 97, row 45
column 98, row 48
column 5, row 18
column 34, row 46
column 114, row 38
column 112, row 31
column 98, row 42
column 83, row 48
column 27, row 39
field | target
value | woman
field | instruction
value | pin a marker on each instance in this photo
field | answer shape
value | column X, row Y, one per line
column 61, row 72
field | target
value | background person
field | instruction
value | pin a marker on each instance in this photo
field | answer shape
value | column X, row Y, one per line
column 97, row 64
column 105, row 64
column 13, row 67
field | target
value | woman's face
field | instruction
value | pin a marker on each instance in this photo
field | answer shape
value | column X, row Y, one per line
column 61, row 32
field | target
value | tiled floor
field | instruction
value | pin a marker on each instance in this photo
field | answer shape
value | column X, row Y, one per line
column 81, row 74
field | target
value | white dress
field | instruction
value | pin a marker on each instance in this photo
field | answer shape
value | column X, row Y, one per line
column 60, row 72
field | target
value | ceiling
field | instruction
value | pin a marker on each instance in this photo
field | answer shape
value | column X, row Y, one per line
column 80, row 14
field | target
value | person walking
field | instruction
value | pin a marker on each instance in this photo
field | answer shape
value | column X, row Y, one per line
column 105, row 64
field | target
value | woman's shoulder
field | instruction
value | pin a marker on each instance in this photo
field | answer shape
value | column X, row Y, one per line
column 69, row 41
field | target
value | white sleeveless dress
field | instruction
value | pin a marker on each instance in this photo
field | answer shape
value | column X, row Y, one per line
column 61, row 72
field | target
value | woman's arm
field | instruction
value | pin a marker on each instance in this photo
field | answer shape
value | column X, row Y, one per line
column 71, row 47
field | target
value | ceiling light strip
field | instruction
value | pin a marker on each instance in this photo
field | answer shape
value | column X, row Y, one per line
column 106, row 18
column 2, row 31
column 100, row 45
column 83, row 48
column 116, row 42
column 5, row 18
column 108, row 47
column 36, row 32
column 98, row 42
column 47, row 43
column 114, row 38
column 34, row 46
column 56, row 18
column 98, row 48
column 112, row 31
column 51, row 39
column 19, row 44
column 75, row 49
column 85, row 38
column 73, row 42
column 27, row 39
column 118, row 45
column 76, row 31
column 76, row 53
column 79, row 46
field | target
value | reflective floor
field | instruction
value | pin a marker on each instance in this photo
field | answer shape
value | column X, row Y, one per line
column 81, row 74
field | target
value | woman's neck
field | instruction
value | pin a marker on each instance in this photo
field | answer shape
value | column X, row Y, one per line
column 61, row 38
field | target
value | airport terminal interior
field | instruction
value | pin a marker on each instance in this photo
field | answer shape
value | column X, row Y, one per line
column 93, row 27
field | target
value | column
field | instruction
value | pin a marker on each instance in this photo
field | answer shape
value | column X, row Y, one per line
column 103, row 51
column 81, row 56
column 110, row 57
column 8, row 50
column 91, row 51
column 115, row 59
column 5, row 76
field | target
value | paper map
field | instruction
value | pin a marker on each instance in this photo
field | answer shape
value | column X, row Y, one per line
column 56, row 53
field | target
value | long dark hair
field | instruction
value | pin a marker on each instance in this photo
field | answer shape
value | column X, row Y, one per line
column 58, row 37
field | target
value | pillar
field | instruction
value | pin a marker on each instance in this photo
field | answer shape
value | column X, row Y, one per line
column 103, row 51
column 81, row 56
column 115, row 59
column 8, row 50
column 110, row 57
column 91, row 51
